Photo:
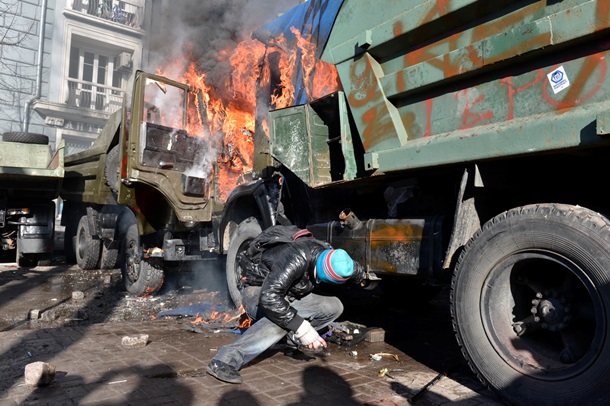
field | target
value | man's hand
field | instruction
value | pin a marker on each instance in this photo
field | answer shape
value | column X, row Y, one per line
column 309, row 337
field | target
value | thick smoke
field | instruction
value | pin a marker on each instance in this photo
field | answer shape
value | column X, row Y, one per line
column 208, row 30
column 205, row 31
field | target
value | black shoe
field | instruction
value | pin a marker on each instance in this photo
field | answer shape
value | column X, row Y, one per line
column 223, row 372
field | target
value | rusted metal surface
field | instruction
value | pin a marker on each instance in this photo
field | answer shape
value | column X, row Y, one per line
column 389, row 246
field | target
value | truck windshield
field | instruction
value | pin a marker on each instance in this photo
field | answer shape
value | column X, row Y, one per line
column 164, row 105
column 167, row 145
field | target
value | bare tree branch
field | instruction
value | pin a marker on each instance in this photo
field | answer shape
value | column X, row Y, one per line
column 14, row 32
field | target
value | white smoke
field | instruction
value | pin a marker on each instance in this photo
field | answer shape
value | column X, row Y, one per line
column 205, row 31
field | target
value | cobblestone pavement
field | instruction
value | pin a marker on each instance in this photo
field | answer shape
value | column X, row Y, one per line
column 83, row 342
column 94, row 368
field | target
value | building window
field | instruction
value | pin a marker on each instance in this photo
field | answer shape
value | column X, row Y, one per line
column 74, row 144
column 129, row 13
column 96, row 78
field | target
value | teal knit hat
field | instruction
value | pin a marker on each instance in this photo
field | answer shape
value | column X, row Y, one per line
column 334, row 266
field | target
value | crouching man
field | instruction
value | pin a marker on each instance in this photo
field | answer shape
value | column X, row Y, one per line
column 277, row 295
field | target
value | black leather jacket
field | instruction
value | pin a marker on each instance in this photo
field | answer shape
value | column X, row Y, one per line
column 288, row 271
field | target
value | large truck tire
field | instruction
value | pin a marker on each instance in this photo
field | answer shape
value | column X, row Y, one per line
column 245, row 232
column 112, row 169
column 26, row 138
column 110, row 254
column 88, row 248
column 530, row 302
column 142, row 276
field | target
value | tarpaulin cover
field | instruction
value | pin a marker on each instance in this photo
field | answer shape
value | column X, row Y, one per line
column 313, row 17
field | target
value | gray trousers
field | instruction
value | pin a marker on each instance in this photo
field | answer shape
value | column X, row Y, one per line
column 319, row 310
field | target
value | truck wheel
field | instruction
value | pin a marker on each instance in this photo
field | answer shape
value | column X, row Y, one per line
column 110, row 254
column 26, row 138
column 245, row 232
column 112, row 169
column 87, row 247
column 142, row 276
column 530, row 302
column 25, row 260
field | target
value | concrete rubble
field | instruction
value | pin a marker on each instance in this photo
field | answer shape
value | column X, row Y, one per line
column 39, row 373
column 137, row 341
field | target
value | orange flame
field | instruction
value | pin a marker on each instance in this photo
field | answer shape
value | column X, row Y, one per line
column 223, row 319
column 225, row 113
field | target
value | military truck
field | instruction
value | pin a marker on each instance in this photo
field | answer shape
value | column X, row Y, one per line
column 466, row 146
column 30, row 180
column 139, row 197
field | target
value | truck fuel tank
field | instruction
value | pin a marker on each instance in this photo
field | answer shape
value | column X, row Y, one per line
column 388, row 246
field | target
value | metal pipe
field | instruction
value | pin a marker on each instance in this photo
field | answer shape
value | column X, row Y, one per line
column 349, row 219
column 41, row 33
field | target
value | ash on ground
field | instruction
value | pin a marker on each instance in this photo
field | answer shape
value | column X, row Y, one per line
column 62, row 295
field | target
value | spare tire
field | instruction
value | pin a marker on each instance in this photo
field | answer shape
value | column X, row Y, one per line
column 112, row 170
column 26, row 138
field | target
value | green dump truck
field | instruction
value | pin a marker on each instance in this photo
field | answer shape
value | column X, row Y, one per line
column 465, row 146
column 30, row 180
column 139, row 197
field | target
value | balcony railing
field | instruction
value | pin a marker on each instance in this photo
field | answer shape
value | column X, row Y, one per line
column 94, row 96
column 129, row 13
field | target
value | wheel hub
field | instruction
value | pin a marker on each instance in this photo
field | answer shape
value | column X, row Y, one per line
column 133, row 266
column 551, row 310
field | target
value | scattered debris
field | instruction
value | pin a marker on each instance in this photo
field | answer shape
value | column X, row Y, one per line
column 347, row 333
column 427, row 386
column 193, row 329
column 354, row 353
column 138, row 341
column 211, row 315
column 379, row 355
column 48, row 315
column 386, row 372
column 39, row 373
column 375, row 335
column 34, row 314
column 78, row 295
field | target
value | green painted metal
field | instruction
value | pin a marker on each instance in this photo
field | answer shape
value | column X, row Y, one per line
column 31, row 169
column 307, row 144
column 304, row 135
column 439, row 82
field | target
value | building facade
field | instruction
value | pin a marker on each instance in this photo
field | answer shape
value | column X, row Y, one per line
column 90, row 51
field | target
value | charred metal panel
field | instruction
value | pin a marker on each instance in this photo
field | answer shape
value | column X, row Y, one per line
column 300, row 142
column 160, row 153
column 410, row 246
column 193, row 186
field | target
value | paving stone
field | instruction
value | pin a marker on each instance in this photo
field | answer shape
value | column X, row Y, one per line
column 39, row 373
column 172, row 371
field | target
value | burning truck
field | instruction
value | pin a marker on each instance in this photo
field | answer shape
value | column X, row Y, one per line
column 454, row 143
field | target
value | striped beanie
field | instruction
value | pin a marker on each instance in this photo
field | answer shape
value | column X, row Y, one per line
column 334, row 266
